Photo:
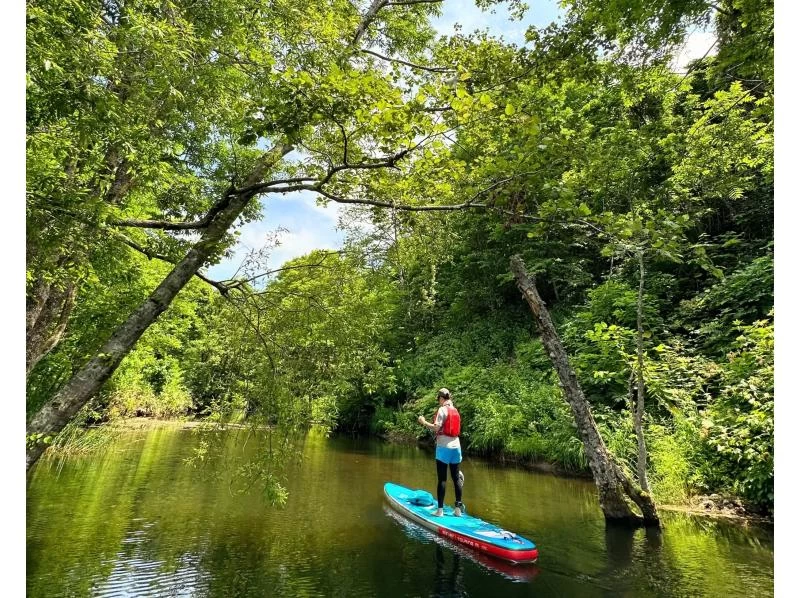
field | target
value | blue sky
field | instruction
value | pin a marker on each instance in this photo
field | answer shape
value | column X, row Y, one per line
column 309, row 226
column 306, row 225
column 497, row 19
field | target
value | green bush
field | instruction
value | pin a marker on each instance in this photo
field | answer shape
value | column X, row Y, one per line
column 744, row 296
column 670, row 472
column 146, row 386
column 740, row 422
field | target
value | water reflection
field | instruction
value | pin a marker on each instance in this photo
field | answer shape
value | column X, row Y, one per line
column 621, row 543
column 518, row 573
column 448, row 581
column 135, row 520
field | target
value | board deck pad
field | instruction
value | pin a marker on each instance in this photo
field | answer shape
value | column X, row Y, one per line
column 466, row 530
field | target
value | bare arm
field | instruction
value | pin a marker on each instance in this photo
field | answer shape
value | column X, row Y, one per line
column 431, row 426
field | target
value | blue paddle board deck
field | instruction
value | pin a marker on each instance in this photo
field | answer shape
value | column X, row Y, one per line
column 419, row 506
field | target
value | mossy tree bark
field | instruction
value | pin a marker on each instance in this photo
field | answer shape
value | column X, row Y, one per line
column 47, row 311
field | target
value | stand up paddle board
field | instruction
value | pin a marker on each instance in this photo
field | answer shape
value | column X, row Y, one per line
column 420, row 506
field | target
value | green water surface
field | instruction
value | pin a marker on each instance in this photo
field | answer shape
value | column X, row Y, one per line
column 135, row 520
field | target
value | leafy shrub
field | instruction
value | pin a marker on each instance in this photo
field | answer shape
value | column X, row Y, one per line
column 743, row 297
column 146, row 386
column 740, row 422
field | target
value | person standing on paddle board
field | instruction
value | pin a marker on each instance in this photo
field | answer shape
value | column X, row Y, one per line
column 447, row 427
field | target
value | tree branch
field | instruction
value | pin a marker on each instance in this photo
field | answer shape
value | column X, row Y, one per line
column 237, row 283
column 385, row 162
column 344, row 141
column 718, row 8
column 411, row 2
column 367, row 19
column 220, row 286
column 162, row 224
column 431, row 69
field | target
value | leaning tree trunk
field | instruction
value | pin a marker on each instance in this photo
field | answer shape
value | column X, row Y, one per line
column 60, row 409
column 641, row 461
column 612, row 484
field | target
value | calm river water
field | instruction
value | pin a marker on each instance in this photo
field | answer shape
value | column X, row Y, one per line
column 135, row 520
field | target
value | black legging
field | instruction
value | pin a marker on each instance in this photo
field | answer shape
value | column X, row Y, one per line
column 441, row 473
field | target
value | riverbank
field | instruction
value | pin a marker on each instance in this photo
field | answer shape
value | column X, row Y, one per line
column 713, row 506
column 718, row 507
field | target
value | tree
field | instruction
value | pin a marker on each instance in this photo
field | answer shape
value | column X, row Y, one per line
column 310, row 97
column 612, row 483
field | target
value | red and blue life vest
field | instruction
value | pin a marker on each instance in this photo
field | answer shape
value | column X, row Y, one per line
column 452, row 422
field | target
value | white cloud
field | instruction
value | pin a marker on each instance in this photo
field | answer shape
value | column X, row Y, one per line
column 496, row 20
column 298, row 223
column 698, row 44
column 308, row 199
column 302, row 242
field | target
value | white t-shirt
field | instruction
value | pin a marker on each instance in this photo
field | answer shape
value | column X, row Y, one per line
column 442, row 439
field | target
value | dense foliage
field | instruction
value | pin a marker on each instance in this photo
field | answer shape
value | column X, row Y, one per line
column 582, row 151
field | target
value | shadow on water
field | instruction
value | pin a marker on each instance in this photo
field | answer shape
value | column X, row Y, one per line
column 620, row 544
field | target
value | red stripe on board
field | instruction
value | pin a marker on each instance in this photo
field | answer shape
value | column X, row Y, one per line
column 520, row 556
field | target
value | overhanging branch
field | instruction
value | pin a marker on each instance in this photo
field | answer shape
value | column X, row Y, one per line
column 430, row 69
column 385, row 162
column 238, row 283
column 162, row 224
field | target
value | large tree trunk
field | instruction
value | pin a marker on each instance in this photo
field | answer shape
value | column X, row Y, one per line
column 48, row 305
column 47, row 311
column 612, row 484
column 59, row 410
column 641, row 461
column 51, row 299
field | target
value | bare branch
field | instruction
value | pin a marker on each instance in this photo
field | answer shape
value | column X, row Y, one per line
column 300, row 179
column 161, row 224
column 236, row 283
column 384, row 162
column 437, row 109
column 695, row 65
column 431, row 69
column 344, row 142
column 412, row 2
column 469, row 204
